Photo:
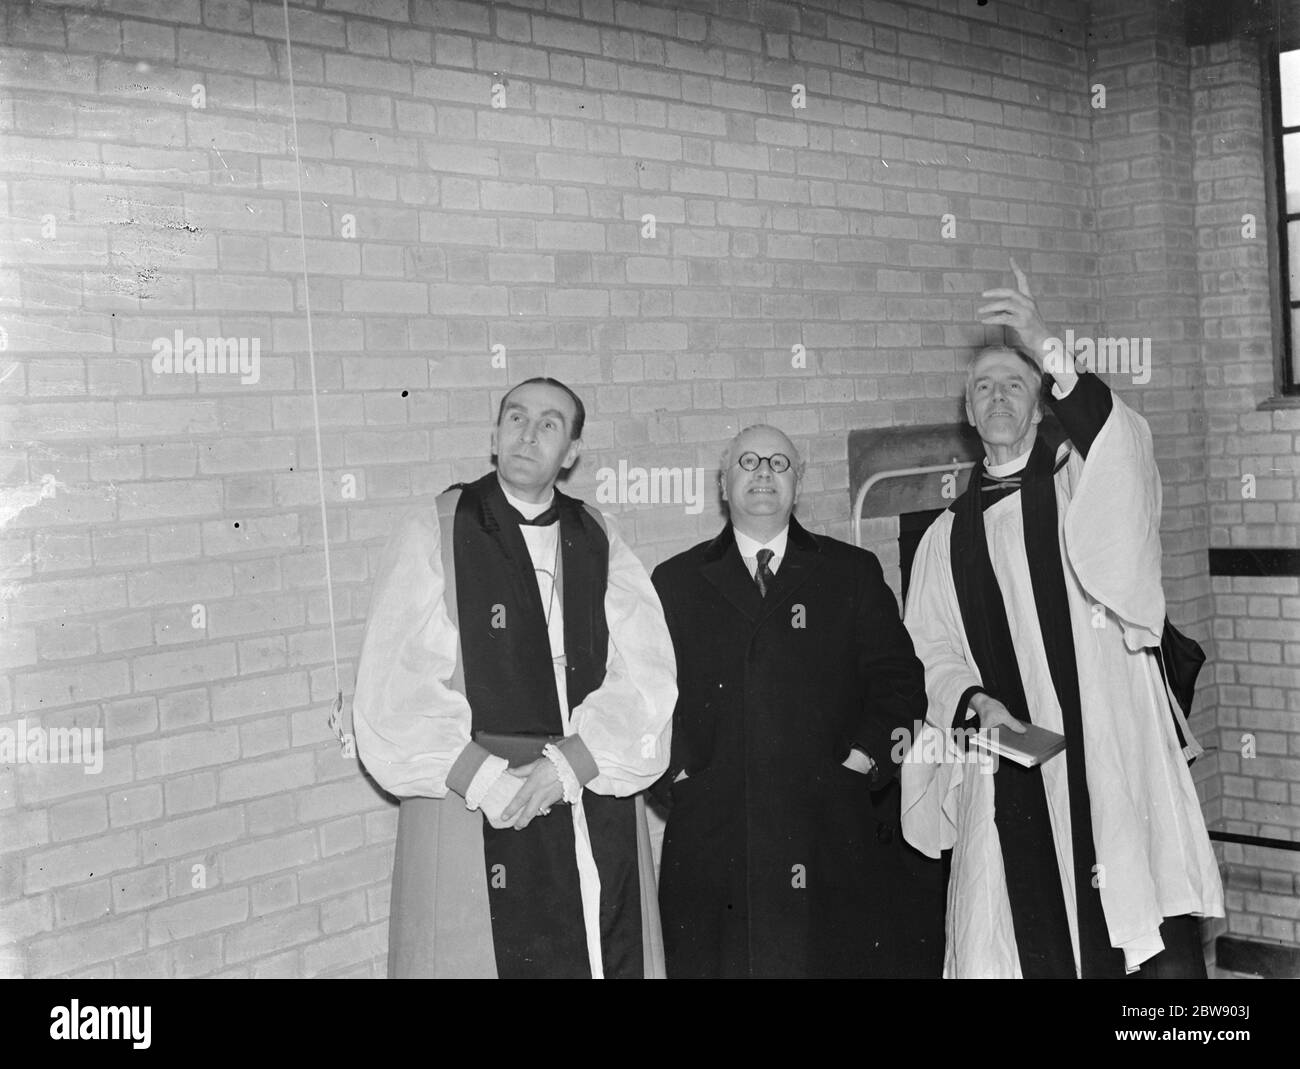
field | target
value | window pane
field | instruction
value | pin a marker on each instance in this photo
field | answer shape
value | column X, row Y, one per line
column 1293, row 254
column 1291, row 171
column 1295, row 343
column 1289, row 79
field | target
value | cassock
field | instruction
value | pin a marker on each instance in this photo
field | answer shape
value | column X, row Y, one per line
column 778, row 861
column 482, row 623
column 1042, row 586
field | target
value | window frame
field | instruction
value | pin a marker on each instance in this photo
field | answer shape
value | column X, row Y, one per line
column 1282, row 301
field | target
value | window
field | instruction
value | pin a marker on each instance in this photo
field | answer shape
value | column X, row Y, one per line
column 1284, row 82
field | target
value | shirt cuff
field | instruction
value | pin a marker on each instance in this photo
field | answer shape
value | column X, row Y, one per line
column 579, row 758
column 872, row 774
column 500, row 793
column 1061, row 394
column 569, row 781
column 966, row 717
column 465, row 768
column 488, row 773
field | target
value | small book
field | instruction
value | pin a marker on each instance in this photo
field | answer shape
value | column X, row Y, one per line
column 516, row 749
column 1036, row 746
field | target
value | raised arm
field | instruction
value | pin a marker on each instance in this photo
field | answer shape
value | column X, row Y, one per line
column 1082, row 411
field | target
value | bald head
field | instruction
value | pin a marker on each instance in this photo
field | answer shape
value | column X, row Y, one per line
column 759, row 432
column 760, row 500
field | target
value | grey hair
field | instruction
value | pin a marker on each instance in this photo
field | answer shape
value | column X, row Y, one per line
column 1034, row 369
column 796, row 461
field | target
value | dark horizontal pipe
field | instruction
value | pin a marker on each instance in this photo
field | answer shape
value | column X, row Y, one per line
column 1260, row 562
column 1253, row 840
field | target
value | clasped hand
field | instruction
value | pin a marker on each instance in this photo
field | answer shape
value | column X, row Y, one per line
column 541, row 789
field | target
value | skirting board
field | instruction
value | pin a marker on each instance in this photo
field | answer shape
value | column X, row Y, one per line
column 1273, row 961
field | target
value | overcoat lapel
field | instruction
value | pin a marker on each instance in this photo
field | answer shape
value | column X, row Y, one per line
column 725, row 569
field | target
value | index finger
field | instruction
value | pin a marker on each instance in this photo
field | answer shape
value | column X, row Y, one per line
column 1022, row 283
column 525, row 817
column 516, row 804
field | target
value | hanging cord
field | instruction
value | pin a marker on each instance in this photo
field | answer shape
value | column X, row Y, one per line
column 336, row 713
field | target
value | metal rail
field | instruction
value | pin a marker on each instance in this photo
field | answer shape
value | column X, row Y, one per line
column 896, row 473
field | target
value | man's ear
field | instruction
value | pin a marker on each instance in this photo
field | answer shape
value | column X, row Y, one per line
column 494, row 441
column 571, row 456
column 970, row 413
column 722, row 483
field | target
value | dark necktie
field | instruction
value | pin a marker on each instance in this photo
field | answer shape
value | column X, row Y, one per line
column 1000, row 482
column 542, row 519
column 995, row 487
column 763, row 574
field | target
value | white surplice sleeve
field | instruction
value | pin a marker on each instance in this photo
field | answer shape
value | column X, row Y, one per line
column 623, row 727
column 410, row 726
column 934, row 622
column 932, row 771
column 1112, row 526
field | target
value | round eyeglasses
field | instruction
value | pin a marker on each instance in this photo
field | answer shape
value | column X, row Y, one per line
column 778, row 462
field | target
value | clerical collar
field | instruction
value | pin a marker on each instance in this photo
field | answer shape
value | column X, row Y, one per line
column 1010, row 467
column 527, row 509
column 749, row 547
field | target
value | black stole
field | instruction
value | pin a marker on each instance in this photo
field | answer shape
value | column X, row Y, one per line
column 507, row 653
column 1020, row 802
column 537, row 922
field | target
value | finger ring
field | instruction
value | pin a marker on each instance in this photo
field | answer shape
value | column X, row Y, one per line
column 544, row 812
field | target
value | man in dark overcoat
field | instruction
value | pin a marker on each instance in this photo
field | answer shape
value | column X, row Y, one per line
column 796, row 681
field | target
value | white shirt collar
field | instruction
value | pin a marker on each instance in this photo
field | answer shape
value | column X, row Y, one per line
column 527, row 509
column 1011, row 466
column 748, row 547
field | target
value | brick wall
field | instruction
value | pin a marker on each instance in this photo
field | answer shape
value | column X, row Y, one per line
column 1252, row 494
column 226, row 834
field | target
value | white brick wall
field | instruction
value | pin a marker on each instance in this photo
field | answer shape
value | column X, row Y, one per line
column 237, row 839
